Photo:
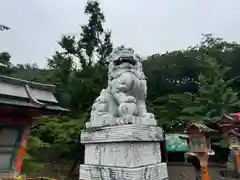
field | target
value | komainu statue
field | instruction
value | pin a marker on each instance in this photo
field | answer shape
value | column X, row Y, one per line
column 123, row 101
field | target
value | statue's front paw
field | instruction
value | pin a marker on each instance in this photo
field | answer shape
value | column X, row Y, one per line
column 149, row 116
column 148, row 119
column 121, row 121
column 125, row 120
column 152, row 116
column 88, row 124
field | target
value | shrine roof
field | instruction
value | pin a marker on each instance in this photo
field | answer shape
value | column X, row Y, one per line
column 201, row 127
column 28, row 94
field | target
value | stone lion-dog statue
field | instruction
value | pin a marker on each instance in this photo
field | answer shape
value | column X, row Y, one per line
column 123, row 101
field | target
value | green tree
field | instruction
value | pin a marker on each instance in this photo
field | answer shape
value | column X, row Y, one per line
column 94, row 45
column 168, row 111
column 177, row 71
column 173, row 72
column 3, row 27
column 81, row 67
column 49, row 141
column 215, row 95
column 5, row 58
column 226, row 54
column 94, row 40
column 173, row 77
column 5, row 63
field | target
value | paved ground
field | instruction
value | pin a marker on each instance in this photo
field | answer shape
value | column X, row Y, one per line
column 186, row 172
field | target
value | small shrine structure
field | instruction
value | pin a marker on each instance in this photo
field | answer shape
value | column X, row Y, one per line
column 200, row 147
column 236, row 115
column 230, row 127
column 20, row 102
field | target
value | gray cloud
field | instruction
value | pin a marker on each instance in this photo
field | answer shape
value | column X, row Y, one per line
column 149, row 26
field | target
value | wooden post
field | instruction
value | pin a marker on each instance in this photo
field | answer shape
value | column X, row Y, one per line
column 204, row 163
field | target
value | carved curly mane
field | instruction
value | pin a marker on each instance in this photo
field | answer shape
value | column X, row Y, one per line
column 115, row 71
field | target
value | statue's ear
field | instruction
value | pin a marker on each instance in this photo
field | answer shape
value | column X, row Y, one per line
column 138, row 57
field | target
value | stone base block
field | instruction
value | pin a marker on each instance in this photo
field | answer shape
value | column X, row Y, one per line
column 127, row 154
column 123, row 133
column 123, row 146
column 149, row 172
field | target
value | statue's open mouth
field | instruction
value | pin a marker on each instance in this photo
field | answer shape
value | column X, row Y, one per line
column 122, row 60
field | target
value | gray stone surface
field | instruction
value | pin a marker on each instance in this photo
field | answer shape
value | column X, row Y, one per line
column 126, row 146
column 150, row 172
column 124, row 133
column 123, row 154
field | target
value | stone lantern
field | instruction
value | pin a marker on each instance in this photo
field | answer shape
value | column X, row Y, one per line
column 200, row 146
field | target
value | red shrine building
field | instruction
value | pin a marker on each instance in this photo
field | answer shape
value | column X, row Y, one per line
column 237, row 115
column 20, row 102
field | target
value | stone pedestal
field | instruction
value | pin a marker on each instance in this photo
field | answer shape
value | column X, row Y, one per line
column 124, row 152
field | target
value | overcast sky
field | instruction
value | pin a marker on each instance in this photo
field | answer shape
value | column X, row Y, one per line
column 148, row 26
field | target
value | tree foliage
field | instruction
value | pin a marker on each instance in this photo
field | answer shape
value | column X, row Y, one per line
column 81, row 67
column 215, row 95
column 203, row 94
column 3, row 27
